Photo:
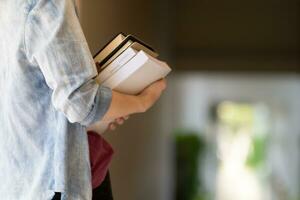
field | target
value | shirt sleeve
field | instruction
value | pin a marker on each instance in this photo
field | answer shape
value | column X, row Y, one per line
column 55, row 42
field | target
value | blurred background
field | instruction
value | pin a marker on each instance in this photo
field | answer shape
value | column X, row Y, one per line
column 228, row 127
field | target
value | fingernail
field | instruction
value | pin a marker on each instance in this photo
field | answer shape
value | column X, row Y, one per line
column 112, row 127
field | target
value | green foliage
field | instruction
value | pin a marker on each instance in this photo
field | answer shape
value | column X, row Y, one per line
column 189, row 147
column 257, row 156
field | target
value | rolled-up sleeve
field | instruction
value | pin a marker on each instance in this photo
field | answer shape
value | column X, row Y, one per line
column 54, row 41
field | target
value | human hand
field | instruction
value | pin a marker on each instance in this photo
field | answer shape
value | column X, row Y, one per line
column 119, row 121
column 151, row 94
column 124, row 104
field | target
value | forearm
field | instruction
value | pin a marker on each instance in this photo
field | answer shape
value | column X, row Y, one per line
column 123, row 105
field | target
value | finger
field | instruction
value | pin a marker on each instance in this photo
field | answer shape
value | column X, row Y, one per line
column 163, row 84
column 112, row 127
column 108, row 127
column 119, row 121
column 162, row 80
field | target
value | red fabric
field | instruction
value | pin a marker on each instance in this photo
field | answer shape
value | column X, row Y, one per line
column 100, row 155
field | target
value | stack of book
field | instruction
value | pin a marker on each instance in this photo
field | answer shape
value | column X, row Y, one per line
column 128, row 65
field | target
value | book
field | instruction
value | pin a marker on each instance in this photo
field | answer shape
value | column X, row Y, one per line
column 107, row 49
column 127, row 65
column 117, row 46
column 115, row 64
column 129, row 44
column 135, row 75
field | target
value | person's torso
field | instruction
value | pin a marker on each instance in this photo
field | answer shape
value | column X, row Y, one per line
column 40, row 151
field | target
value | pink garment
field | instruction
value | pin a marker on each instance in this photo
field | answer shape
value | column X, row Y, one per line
column 100, row 155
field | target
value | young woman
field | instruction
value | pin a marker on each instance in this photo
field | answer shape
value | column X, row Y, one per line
column 49, row 97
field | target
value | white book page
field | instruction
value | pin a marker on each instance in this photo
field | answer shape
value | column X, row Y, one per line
column 146, row 74
column 118, row 62
column 126, row 70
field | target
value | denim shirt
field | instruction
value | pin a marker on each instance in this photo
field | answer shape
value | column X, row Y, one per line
column 48, row 98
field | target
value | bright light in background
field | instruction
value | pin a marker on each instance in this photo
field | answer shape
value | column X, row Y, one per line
column 257, row 108
column 242, row 132
column 251, row 141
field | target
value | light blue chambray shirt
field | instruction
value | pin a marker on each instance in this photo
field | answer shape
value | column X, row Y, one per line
column 48, row 97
